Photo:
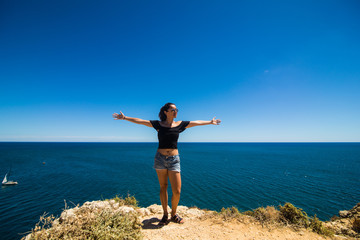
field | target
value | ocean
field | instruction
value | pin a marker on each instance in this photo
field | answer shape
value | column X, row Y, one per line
column 321, row 178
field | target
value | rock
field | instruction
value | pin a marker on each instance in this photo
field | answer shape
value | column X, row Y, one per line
column 28, row 237
column 88, row 204
column 125, row 209
column 157, row 209
column 143, row 211
column 68, row 215
column 344, row 214
column 182, row 208
column 345, row 223
column 194, row 212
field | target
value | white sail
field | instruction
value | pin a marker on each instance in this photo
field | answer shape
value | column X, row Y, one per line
column 5, row 179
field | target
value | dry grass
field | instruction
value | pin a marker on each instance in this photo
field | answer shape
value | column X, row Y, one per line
column 230, row 213
column 105, row 225
column 88, row 223
column 287, row 215
column 266, row 216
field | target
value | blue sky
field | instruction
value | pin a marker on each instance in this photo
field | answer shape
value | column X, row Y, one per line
column 272, row 71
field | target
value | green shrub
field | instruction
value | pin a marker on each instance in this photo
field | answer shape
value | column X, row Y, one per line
column 118, row 199
column 129, row 200
column 293, row 215
column 317, row 226
column 260, row 214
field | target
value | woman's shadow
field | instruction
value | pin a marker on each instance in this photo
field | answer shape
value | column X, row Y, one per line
column 151, row 223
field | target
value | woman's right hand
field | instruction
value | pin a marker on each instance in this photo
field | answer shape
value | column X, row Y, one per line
column 117, row 116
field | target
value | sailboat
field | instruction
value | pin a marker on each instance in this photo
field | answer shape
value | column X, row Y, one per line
column 6, row 182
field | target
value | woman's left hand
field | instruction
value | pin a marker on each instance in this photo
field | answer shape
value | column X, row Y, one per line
column 215, row 121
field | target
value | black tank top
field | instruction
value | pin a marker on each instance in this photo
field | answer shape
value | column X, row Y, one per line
column 168, row 137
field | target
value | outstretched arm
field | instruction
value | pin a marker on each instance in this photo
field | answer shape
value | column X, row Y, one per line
column 121, row 116
column 200, row 122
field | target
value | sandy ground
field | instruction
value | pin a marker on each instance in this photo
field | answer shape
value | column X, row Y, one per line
column 200, row 225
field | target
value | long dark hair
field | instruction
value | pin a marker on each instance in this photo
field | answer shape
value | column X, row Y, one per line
column 166, row 107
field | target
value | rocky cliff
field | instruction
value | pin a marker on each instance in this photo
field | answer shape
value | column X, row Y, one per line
column 111, row 219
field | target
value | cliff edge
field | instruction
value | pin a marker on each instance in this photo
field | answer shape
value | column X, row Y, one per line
column 115, row 219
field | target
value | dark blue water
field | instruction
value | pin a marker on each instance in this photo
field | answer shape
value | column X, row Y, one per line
column 321, row 178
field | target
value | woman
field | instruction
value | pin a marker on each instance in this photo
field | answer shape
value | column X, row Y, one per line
column 167, row 159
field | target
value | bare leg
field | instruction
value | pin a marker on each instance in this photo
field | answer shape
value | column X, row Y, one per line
column 163, row 181
column 175, row 180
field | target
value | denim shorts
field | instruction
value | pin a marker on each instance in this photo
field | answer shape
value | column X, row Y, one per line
column 171, row 163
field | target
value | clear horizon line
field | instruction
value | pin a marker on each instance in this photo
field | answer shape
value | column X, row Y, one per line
column 183, row 142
